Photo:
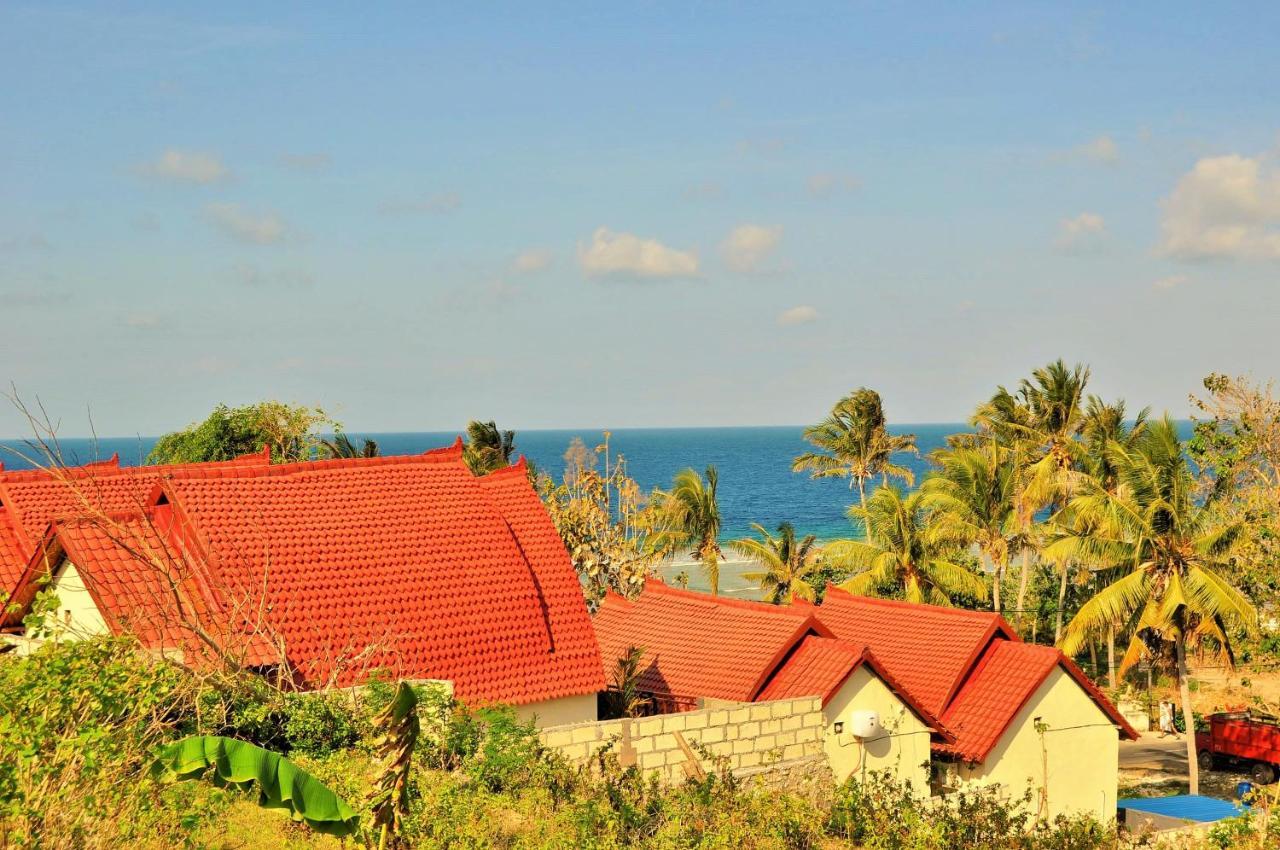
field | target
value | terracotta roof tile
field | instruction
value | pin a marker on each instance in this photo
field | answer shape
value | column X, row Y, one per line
column 927, row 648
column 408, row 564
column 697, row 645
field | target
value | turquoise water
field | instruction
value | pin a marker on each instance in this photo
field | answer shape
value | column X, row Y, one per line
column 756, row 481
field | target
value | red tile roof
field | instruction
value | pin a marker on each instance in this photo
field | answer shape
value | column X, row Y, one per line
column 698, row 645
column 30, row 499
column 162, row 603
column 406, row 564
column 1002, row 683
column 968, row 668
column 409, row 564
column 927, row 648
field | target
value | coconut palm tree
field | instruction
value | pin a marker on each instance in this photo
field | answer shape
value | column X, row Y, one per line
column 787, row 562
column 905, row 552
column 342, row 446
column 688, row 517
column 853, row 442
column 487, row 448
column 972, row 498
column 1165, row 553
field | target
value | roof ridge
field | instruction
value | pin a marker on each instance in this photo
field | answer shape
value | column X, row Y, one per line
column 903, row 604
column 657, row 585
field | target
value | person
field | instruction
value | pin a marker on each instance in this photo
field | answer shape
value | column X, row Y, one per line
column 1166, row 719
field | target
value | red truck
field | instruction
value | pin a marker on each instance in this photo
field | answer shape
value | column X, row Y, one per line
column 1242, row 738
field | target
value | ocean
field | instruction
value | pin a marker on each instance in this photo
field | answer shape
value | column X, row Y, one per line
column 756, row 481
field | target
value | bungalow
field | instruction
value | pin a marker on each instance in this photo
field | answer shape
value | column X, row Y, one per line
column 1023, row 716
column 702, row 651
column 327, row 571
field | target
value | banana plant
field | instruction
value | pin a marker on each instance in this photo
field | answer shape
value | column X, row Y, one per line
column 281, row 783
column 400, row 729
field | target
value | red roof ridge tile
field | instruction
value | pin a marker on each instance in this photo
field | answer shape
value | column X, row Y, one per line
column 902, row 604
column 657, row 585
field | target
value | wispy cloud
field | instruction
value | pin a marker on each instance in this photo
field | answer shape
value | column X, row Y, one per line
column 1226, row 207
column 28, row 242
column 442, row 202
column 1081, row 232
column 532, row 261
column 1103, row 150
column 611, row 254
column 304, row 161
column 258, row 228
column 749, row 247
column 248, row 274
column 1170, row 282
column 193, row 167
column 827, row 183
column 799, row 315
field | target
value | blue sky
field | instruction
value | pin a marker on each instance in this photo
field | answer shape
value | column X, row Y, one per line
column 669, row 214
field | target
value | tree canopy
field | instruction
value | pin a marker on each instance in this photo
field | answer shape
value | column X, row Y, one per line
column 290, row 431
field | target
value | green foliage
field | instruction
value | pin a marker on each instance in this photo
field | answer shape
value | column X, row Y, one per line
column 399, row 727
column 487, row 449
column 788, row 562
column 281, row 784
column 688, row 517
column 290, row 431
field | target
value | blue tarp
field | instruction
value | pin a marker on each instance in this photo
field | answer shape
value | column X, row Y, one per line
column 1186, row 806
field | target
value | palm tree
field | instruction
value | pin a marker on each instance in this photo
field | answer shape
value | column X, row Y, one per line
column 787, row 562
column 904, row 552
column 853, row 442
column 342, row 446
column 487, row 448
column 1105, row 425
column 1165, row 554
column 971, row 498
column 689, row 518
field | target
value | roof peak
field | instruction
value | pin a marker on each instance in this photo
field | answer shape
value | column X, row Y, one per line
column 653, row 584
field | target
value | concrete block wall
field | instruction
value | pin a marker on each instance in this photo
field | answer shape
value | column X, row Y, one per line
column 750, row 737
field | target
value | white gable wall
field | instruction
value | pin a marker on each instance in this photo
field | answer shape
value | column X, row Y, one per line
column 1071, row 768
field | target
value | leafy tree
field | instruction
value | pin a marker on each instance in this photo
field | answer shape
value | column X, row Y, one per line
column 972, row 499
column 289, row 431
column 1165, row 553
column 488, row 449
column 853, row 442
column 342, row 446
column 624, row 698
column 905, row 554
column 788, row 562
column 688, row 517
column 607, row 536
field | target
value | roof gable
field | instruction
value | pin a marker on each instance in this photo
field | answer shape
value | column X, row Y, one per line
column 700, row 646
column 928, row 648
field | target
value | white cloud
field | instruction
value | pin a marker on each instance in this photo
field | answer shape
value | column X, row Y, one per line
column 441, row 202
column 186, row 167
column 142, row 321
column 1102, row 149
column 1170, row 282
column 1082, row 231
column 613, row 254
column 532, row 261
column 1226, row 207
column 749, row 247
column 827, row 183
column 305, row 161
column 239, row 223
column 800, row 315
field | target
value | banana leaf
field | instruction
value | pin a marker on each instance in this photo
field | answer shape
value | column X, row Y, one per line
column 281, row 783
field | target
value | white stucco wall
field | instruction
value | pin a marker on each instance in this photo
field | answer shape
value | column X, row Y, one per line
column 77, row 615
column 903, row 748
column 1071, row 768
column 558, row 712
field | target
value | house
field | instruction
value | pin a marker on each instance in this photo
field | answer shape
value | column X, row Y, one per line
column 701, row 651
column 1023, row 716
column 329, row 571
